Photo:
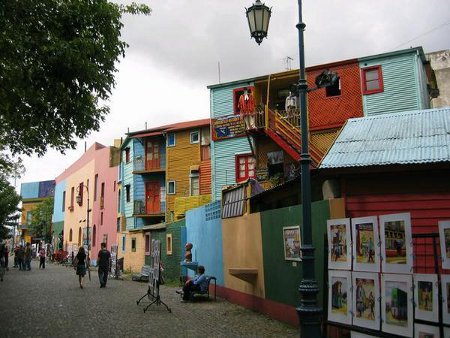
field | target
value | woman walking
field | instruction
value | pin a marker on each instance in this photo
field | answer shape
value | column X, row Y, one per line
column 81, row 263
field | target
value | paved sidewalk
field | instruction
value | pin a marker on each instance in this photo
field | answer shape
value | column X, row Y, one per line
column 49, row 303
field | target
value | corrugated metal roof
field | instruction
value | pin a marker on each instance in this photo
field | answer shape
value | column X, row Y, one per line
column 421, row 136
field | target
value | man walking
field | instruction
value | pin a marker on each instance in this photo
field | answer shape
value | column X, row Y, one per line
column 103, row 259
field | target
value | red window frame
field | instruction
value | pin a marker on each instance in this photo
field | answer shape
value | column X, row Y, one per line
column 237, row 93
column 246, row 176
column 380, row 80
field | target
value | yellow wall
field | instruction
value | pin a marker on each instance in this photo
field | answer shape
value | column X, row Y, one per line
column 179, row 159
column 133, row 260
column 28, row 207
column 238, row 233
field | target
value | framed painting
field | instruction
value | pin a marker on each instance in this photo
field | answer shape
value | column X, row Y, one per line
column 339, row 296
column 444, row 237
column 339, row 238
column 366, row 254
column 396, row 243
column 365, row 300
column 292, row 242
column 445, row 289
column 396, row 304
column 426, row 331
column 426, row 295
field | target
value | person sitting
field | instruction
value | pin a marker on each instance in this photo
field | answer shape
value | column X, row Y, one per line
column 199, row 283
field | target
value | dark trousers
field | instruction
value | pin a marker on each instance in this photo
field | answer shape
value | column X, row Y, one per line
column 188, row 287
column 42, row 262
column 102, row 275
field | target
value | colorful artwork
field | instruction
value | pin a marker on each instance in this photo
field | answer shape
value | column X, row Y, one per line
column 339, row 253
column 395, row 233
column 444, row 236
column 445, row 289
column 339, row 296
column 426, row 297
column 292, row 242
column 365, row 244
column 365, row 301
column 396, row 304
column 426, row 331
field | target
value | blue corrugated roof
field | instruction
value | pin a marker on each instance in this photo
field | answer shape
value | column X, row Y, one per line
column 421, row 136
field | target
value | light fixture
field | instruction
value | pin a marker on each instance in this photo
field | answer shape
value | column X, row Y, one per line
column 258, row 16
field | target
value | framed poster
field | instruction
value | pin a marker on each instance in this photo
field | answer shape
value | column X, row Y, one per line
column 291, row 240
column 396, row 247
column 444, row 237
column 339, row 250
column 365, row 300
column 445, row 288
column 366, row 253
column 426, row 295
column 396, row 304
column 426, row 331
column 339, row 296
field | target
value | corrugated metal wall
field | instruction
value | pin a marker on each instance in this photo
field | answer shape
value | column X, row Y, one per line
column 58, row 213
column 205, row 177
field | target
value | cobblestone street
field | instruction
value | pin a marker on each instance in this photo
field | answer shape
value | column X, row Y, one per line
column 50, row 303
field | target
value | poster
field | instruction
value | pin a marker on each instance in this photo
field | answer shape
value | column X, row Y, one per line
column 339, row 296
column 444, row 237
column 445, row 288
column 339, row 250
column 396, row 247
column 426, row 297
column 426, row 331
column 365, row 300
column 292, row 242
column 227, row 127
column 396, row 304
column 366, row 254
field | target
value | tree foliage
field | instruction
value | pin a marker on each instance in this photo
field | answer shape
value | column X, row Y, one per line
column 9, row 201
column 57, row 65
column 41, row 220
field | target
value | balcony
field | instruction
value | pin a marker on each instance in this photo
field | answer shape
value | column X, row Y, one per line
column 140, row 210
column 140, row 168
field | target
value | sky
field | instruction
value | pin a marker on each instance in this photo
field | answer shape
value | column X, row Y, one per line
column 186, row 45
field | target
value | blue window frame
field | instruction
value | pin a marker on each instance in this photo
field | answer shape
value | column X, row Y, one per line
column 171, row 140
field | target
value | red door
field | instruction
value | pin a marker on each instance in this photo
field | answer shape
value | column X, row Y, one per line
column 152, row 197
column 152, row 155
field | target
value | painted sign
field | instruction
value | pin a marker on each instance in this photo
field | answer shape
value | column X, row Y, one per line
column 227, row 127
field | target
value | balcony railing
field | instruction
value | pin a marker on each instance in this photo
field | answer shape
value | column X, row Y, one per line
column 139, row 207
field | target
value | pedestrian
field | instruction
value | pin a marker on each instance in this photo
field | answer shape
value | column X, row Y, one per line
column 199, row 283
column 2, row 260
column 16, row 261
column 6, row 253
column 42, row 258
column 80, row 263
column 27, row 256
column 103, row 264
column 20, row 257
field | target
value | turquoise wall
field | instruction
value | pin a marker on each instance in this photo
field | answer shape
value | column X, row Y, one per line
column 58, row 213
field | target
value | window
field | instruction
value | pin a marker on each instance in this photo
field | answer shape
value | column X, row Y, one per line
column 80, row 234
column 133, row 244
column 171, row 140
column 124, row 240
column 245, row 167
column 80, row 193
column 127, row 190
column 95, row 186
column 101, row 218
column 114, row 186
column 333, row 90
column 118, row 224
column 194, row 184
column 29, row 215
column 94, row 234
column 147, row 244
column 168, row 244
column 372, row 80
column 171, row 188
column 102, row 196
column 195, row 137
column 70, row 235
column 64, row 201
column 72, row 196
column 127, row 154
column 119, row 194
column 249, row 106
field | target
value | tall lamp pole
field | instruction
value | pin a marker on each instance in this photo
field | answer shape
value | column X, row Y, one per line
column 309, row 312
column 80, row 202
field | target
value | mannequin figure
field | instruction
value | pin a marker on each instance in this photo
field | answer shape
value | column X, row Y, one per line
column 246, row 107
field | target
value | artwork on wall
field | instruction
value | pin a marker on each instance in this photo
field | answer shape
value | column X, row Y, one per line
column 444, row 236
column 339, row 296
column 339, row 250
column 292, row 242
column 365, row 300
column 426, row 297
column 445, row 288
column 396, row 247
column 365, row 244
column 396, row 304
column 426, row 331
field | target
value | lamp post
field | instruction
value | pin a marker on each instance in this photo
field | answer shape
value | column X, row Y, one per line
column 309, row 312
column 79, row 199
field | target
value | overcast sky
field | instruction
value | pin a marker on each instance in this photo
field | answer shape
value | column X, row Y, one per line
column 174, row 54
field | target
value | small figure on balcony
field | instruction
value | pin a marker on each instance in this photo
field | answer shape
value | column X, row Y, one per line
column 188, row 254
column 246, row 106
column 291, row 107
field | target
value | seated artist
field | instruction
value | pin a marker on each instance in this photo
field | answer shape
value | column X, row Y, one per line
column 199, row 283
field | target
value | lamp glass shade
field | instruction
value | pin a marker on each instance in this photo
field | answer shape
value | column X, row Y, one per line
column 258, row 17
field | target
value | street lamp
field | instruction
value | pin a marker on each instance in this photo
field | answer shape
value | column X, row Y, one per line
column 309, row 312
column 79, row 200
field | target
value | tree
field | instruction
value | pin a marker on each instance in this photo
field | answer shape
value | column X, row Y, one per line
column 41, row 220
column 57, row 65
column 9, row 201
